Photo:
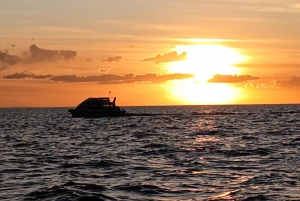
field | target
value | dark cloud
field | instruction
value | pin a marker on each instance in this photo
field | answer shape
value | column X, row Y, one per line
column 35, row 54
column 67, row 54
column 169, row 57
column 104, row 78
column 231, row 78
column 38, row 54
column 7, row 60
column 92, row 78
column 293, row 82
column 25, row 75
column 118, row 79
column 111, row 59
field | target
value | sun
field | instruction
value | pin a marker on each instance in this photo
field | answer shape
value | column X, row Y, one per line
column 204, row 61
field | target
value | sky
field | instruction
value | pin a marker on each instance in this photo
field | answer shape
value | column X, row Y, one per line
column 171, row 52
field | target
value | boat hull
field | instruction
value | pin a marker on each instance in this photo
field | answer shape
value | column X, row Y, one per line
column 87, row 113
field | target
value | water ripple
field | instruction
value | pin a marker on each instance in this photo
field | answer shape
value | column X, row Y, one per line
column 203, row 153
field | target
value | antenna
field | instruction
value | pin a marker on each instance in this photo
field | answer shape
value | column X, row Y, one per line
column 109, row 94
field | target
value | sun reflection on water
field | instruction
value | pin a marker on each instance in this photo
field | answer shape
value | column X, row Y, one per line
column 202, row 139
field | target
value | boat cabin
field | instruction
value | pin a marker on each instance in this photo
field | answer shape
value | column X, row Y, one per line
column 98, row 103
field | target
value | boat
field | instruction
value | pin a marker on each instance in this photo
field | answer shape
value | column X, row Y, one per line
column 98, row 107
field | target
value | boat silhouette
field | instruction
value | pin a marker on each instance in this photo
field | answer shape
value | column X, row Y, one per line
column 98, row 107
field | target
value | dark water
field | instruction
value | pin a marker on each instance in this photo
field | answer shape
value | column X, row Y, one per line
column 198, row 153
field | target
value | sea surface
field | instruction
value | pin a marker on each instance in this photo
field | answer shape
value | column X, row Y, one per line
column 245, row 153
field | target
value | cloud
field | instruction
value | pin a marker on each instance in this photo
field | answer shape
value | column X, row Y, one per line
column 269, row 65
column 111, row 59
column 118, row 79
column 283, row 8
column 262, row 85
column 293, row 82
column 38, row 54
column 104, row 78
column 25, row 75
column 7, row 60
column 169, row 57
column 89, row 60
column 95, row 70
column 231, row 78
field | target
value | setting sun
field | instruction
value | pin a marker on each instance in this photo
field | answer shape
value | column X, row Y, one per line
column 204, row 61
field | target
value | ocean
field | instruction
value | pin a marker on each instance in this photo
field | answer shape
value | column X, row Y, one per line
column 194, row 153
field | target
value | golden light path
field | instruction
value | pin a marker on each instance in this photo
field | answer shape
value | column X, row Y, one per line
column 204, row 61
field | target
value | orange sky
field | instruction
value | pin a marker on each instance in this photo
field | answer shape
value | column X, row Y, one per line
column 58, row 53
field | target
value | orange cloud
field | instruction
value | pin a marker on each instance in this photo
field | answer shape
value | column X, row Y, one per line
column 291, row 83
column 231, row 78
column 169, row 57
column 269, row 65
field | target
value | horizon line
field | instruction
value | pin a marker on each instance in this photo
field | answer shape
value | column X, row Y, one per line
column 175, row 105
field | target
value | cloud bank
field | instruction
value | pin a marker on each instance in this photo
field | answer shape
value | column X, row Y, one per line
column 104, row 78
column 169, row 57
column 231, row 78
